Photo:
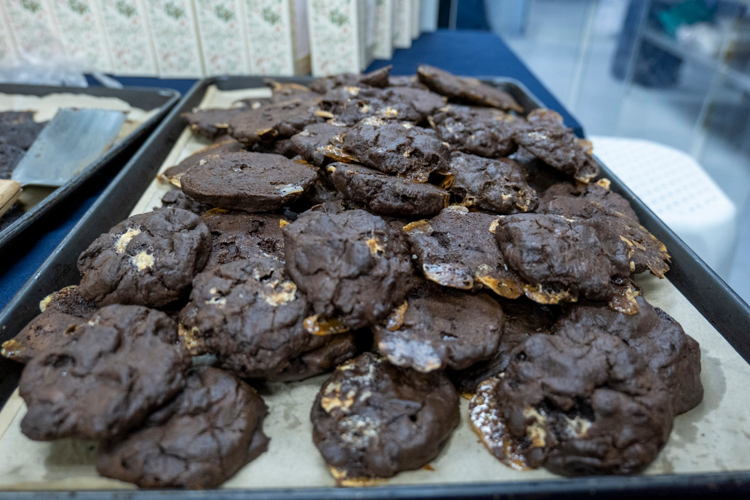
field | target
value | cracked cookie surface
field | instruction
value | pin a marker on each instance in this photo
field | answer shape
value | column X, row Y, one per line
column 199, row 440
column 148, row 259
column 111, row 373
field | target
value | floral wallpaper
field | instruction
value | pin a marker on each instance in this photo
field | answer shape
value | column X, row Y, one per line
column 81, row 31
column 175, row 38
column 402, row 24
column 334, row 36
column 223, row 39
column 7, row 48
column 128, row 37
column 270, row 39
column 33, row 27
column 383, row 47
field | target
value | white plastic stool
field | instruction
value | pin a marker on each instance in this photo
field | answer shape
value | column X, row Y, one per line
column 679, row 191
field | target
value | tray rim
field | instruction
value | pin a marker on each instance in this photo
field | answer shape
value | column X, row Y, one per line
column 53, row 198
column 706, row 483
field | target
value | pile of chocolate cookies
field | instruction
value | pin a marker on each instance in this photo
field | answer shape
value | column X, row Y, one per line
column 420, row 237
column 18, row 131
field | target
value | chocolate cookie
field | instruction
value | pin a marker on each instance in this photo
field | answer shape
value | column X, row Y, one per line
column 223, row 144
column 250, row 314
column 283, row 92
column 348, row 105
column 574, row 408
column 583, row 200
column 18, row 128
column 495, row 185
column 199, row 440
column 374, row 420
column 439, row 327
column 484, row 132
column 213, row 122
column 274, row 121
column 563, row 259
column 177, row 199
column 250, row 182
column 311, row 142
column 106, row 379
column 545, row 136
column 466, row 90
column 61, row 312
column 377, row 78
column 522, row 318
column 353, row 267
column 149, row 259
column 10, row 157
column 406, row 81
column 392, row 147
column 672, row 354
column 387, row 194
column 456, row 249
column 238, row 236
column 410, row 104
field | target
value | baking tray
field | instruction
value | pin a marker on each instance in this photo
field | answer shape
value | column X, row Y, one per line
column 144, row 98
column 726, row 312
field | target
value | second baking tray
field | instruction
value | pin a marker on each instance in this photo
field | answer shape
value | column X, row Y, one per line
column 147, row 99
column 708, row 294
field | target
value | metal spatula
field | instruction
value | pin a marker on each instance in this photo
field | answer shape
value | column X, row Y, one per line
column 73, row 140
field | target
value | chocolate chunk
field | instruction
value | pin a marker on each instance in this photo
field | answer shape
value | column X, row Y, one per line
column 250, row 314
column 574, row 408
column 199, row 440
column 563, row 259
column 250, row 182
column 149, row 259
column 522, row 318
column 353, row 267
column 439, row 327
column 61, row 312
column 672, row 354
column 310, row 143
column 213, row 122
column 456, row 249
column 481, row 131
column 223, row 144
column 18, row 128
column 583, row 200
column 10, row 157
column 238, row 236
column 274, row 121
column 466, row 90
column 496, row 185
column 177, row 199
column 374, row 420
column 386, row 194
column 377, row 78
column 548, row 139
column 394, row 148
column 106, row 379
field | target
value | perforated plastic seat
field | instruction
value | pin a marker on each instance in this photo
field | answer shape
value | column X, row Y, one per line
column 679, row 191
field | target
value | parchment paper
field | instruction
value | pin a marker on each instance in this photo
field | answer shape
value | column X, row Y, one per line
column 713, row 437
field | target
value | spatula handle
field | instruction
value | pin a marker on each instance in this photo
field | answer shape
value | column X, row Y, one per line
column 9, row 193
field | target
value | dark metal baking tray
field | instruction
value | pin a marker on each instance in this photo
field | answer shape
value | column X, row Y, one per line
column 146, row 99
column 696, row 281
